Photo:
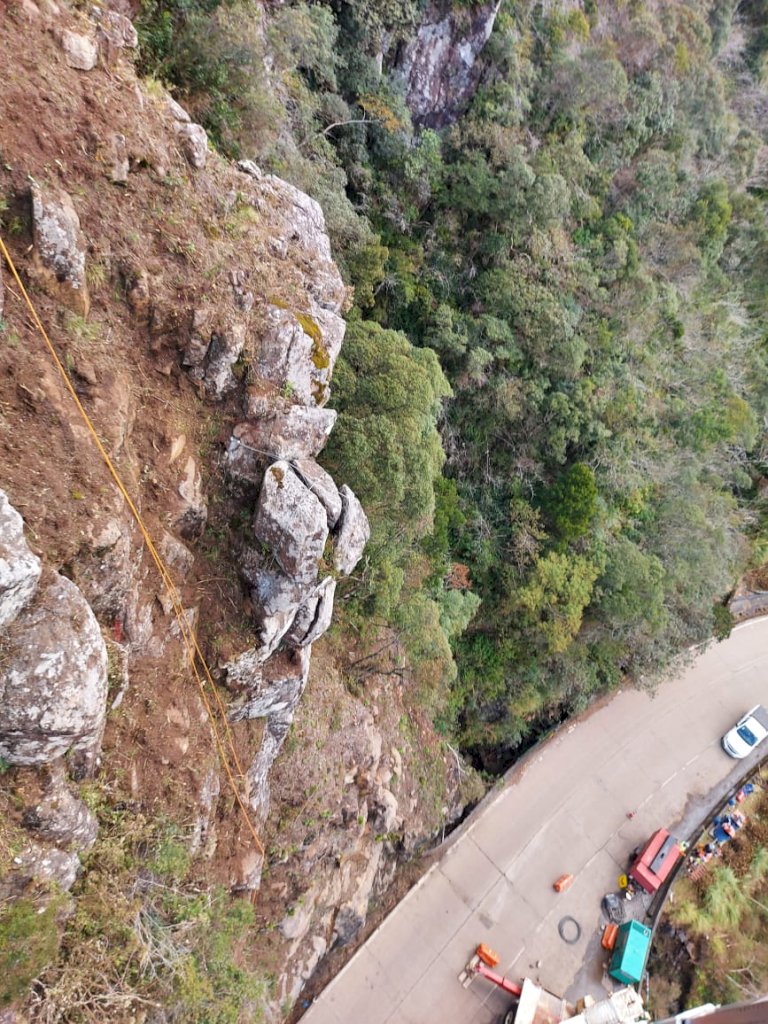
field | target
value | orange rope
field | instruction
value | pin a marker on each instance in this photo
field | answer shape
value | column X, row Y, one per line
column 188, row 635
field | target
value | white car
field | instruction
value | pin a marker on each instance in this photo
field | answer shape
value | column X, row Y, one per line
column 750, row 730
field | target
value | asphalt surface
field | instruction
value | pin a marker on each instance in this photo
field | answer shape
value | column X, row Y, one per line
column 563, row 810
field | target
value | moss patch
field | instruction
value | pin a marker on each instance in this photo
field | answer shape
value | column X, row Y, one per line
column 29, row 941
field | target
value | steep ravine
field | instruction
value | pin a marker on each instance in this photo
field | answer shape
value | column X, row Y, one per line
column 198, row 313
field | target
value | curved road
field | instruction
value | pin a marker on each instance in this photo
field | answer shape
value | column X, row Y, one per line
column 564, row 809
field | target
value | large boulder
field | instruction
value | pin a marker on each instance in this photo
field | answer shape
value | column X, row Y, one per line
column 297, row 353
column 19, row 568
column 285, row 431
column 322, row 486
column 314, row 617
column 81, row 52
column 275, row 599
column 282, row 431
column 292, row 522
column 302, row 213
column 53, row 688
column 59, row 247
column 352, row 533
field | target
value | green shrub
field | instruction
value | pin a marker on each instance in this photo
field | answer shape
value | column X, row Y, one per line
column 29, row 941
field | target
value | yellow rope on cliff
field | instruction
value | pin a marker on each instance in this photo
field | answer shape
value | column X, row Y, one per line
column 188, row 634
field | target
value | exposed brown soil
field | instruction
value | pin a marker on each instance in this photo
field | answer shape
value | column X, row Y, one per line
column 172, row 224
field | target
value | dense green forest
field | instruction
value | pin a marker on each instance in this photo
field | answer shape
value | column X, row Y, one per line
column 553, row 393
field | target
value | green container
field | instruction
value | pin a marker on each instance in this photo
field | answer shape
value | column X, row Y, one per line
column 630, row 952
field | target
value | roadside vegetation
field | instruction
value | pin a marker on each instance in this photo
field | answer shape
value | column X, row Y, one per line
column 574, row 273
column 712, row 945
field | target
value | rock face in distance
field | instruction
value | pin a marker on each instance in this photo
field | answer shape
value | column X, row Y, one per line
column 59, row 253
column 439, row 65
column 19, row 568
column 53, row 688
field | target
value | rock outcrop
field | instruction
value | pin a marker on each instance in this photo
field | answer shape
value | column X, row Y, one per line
column 81, row 52
column 439, row 66
column 291, row 521
column 19, row 568
column 53, row 688
column 60, row 247
column 352, row 533
column 60, row 816
column 210, row 284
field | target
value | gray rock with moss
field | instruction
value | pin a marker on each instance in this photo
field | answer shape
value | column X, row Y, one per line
column 59, row 816
column 294, row 352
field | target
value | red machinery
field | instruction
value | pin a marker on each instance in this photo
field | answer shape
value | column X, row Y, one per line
column 477, row 966
column 655, row 860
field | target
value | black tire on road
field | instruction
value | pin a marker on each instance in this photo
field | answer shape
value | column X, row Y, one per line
column 569, row 924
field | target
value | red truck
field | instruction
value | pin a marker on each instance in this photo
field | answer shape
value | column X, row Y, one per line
column 655, row 860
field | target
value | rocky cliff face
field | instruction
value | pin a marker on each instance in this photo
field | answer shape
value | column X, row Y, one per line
column 197, row 311
column 439, row 65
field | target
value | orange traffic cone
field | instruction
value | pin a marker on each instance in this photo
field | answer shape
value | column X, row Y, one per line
column 562, row 883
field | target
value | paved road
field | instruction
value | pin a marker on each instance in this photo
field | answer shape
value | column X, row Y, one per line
column 564, row 810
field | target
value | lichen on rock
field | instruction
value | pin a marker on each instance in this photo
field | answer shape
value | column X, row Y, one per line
column 53, row 688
